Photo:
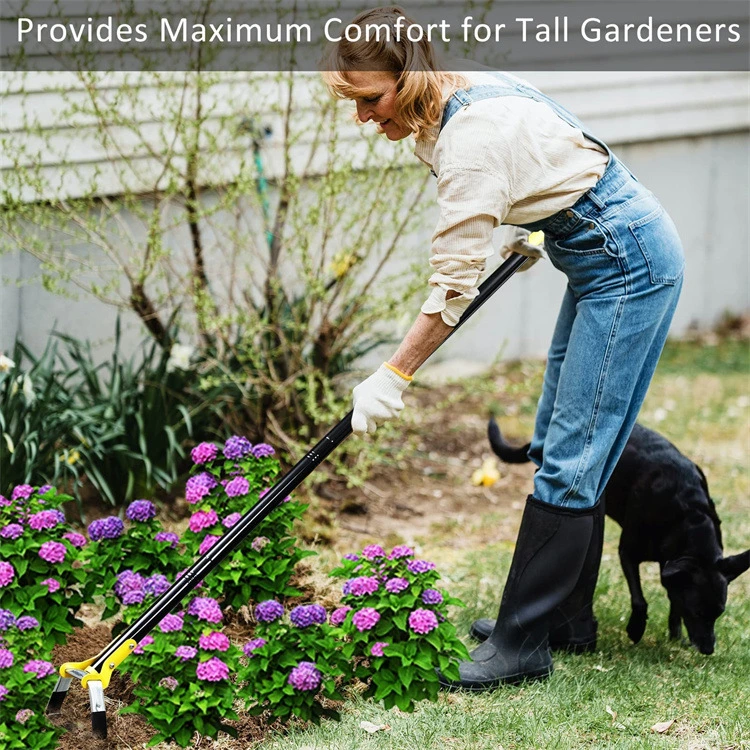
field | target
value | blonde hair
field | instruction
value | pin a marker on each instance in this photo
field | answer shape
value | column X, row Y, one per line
column 414, row 66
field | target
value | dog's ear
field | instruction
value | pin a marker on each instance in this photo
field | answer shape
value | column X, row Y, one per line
column 734, row 565
column 677, row 572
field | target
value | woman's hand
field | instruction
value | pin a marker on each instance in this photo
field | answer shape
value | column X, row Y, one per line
column 378, row 398
column 524, row 243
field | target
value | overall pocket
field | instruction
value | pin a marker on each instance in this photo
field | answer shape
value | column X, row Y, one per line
column 660, row 245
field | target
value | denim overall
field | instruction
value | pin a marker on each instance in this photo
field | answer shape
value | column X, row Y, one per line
column 624, row 262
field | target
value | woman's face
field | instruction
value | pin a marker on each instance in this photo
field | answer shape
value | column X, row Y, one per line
column 377, row 102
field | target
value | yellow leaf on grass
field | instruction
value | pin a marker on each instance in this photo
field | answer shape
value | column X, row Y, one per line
column 662, row 727
column 487, row 475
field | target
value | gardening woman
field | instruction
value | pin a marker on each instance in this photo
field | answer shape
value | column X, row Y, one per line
column 504, row 153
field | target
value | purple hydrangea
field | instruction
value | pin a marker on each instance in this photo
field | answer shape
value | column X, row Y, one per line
column 268, row 611
column 7, row 619
column 197, row 487
column 44, row 489
column 203, row 519
column 6, row 658
column 145, row 641
column 373, row 552
column 208, row 541
column 169, row 683
column 3, row 693
column 11, row 531
column 237, row 487
column 141, row 511
column 400, row 551
column 377, row 648
column 167, row 536
column 231, row 520
column 422, row 621
column 305, row 676
column 203, row 452
column 27, row 622
column 351, row 556
column 252, row 646
column 185, row 653
column 206, row 609
column 339, row 615
column 52, row 552
column 110, row 527
column 432, row 596
column 396, row 585
column 361, row 586
column 133, row 597
column 213, row 670
column 40, row 668
column 259, row 542
column 52, row 584
column 22, row 491
column 7, row 573
column 171, row 624
column 366, row 619
column 214, row 641
column 76, row 539
column 236, row 447
column 263, row 450
column 306, row 615
column 128, row 581
column 44, row 519
column 419, row 566
column 155, row 585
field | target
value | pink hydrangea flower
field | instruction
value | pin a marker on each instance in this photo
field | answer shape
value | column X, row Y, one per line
column 231, row 520
column 377, row 648
column 11, row 531
column 145, row 641
column 76, row 539
column 208, row 542
column 305, row 676
column 7, row 573
column 52, row 585
column 213, row 670
column 22, row 491
column 169, row 683
column 202, row 519
column 185, row 653
column 44, row 519
column 206, row 609
column 366, row 619
column 339, row 615
column 52, row 552
column 396, row 585
column 361, row 586
column 259, row 542
column 419, row 566
column 252, row 646
column 203, row 452
column 171, row 624
column 197, row 487
column 40, row 668
column 373, row 551
column 422, row 621
column 238, row 487
column 6, row 658
column 400, row 551
column 214, row 641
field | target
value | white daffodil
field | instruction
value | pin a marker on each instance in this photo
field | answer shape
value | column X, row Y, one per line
column 179, row 357
column 6, row 363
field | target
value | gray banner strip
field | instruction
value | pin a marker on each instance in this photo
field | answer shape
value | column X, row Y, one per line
column 228, row 35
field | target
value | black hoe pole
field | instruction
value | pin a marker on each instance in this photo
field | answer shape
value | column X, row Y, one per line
column 95, row 673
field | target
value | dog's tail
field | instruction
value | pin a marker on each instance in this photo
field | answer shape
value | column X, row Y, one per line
column 508, row 453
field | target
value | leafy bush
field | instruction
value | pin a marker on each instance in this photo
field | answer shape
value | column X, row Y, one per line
column 396, row 623
column 40, row 573
column 292, row 663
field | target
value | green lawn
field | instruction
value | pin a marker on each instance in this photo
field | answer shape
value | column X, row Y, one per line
column 700, row 399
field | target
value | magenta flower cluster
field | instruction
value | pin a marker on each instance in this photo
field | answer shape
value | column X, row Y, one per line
column 132, row 588
column 366, row 619
column 167, row 536
column 305, row 676
column 206, row 609
column 252, row 646
column 377, row 648
column 361, row 586
column 339, row 615
column 214, row 641
column 419, row 566
column 423, row 621
column 203, row 453
column 237, row 487
column 186, row 653
column 45, row 519
column 7, row 573
column 263, row 450
column 76, row 539
column 268, row 611
column 202, row 519
column 396, row 585
column 213, row 670
column 237, row 447
column 52, row 552
column 171, row 623
column 40, row 668
column 199, row 486
column 11, row 531
column 400, row 551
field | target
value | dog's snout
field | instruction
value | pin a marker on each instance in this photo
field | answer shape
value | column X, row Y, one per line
column 705, row 645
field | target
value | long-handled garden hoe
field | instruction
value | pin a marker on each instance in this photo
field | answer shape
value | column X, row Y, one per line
column 95, row 673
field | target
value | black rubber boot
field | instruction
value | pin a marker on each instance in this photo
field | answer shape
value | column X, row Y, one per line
column 547, row 562
column 573, row 626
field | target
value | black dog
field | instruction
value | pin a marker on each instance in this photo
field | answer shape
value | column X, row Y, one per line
column 660, row 499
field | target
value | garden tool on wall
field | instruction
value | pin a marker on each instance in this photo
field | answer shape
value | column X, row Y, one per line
column 96, row 672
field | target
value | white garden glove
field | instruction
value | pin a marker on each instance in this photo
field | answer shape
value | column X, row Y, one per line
column 520, row 241
column 378, row 398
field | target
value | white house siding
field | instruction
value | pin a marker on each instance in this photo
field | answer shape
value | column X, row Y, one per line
column 684, row 134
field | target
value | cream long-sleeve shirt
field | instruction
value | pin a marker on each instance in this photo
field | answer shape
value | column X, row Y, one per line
column 507, row 159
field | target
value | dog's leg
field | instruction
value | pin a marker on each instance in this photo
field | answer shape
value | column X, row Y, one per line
column 675, row 620
column 639, row 609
